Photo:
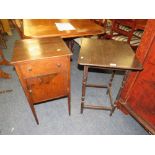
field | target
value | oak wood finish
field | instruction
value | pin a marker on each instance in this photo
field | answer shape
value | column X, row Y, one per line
column 43, row 67
column 105, row 54
column 137, row 97
column 39, row 28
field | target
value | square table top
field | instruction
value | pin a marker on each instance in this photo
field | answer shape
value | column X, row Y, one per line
column 39, row 28
column 108, row 54
column 33, row 49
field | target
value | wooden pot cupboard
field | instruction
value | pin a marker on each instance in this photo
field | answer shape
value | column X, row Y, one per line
column 43, row 68
column 137, row 97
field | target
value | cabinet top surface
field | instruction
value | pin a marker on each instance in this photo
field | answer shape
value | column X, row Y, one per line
column 34, row 49
column 108, row 54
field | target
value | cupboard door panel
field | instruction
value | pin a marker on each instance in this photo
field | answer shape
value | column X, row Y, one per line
column 47, row 87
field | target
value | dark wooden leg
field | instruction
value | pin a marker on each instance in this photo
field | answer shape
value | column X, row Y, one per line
column 113, row 109
column 85, row 76
column 130, row 36
column 69, row 104
column 2, row 41
column 111, row 79
column 69, row 87
column 118, row 95
column 30, row 101
column 4, row 61
column 4, row 75
column 34, row 112
column 71, row 45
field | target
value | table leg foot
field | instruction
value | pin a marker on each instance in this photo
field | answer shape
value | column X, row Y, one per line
column 34, row 113
column 5, row 62
column 81, row 108
column 69, row 105
column 113, row 109
column 107, row 92
column 4, row 75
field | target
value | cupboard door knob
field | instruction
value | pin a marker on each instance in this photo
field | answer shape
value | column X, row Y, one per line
column 29, row 69
column 58, row 65
column 30, row 91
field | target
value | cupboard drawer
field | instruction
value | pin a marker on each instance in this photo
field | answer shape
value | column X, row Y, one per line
column 43, row 67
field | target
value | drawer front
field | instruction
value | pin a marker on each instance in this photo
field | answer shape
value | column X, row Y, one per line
column 43, row 67
column 47, row 87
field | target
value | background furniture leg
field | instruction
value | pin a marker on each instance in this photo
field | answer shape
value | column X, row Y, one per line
column 2, row 41
column 4, row 75
column 4, row 61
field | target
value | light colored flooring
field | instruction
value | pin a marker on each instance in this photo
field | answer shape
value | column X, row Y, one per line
column 16, row 116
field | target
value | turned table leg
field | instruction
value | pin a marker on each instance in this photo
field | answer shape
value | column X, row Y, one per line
column 85, row 75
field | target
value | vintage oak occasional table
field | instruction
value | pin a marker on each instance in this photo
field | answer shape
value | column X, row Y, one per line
column 43, row 68
column 105, row 54
column 41, row 28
